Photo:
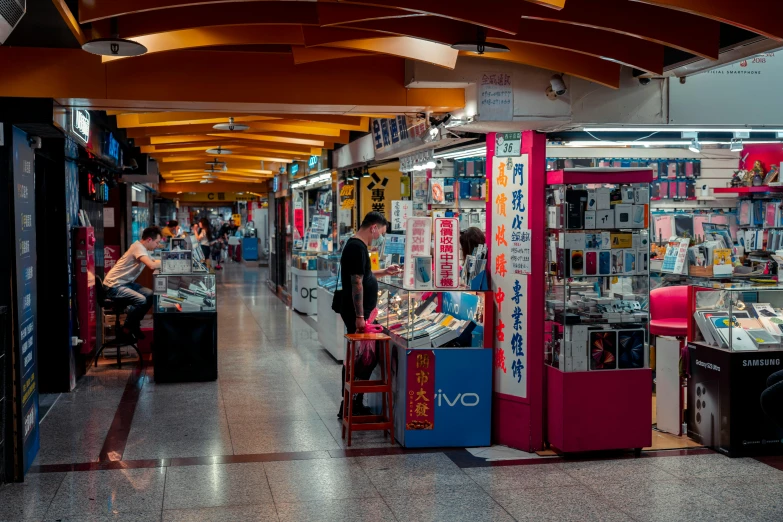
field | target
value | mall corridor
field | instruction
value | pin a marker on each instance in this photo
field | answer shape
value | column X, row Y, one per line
column 263, row 443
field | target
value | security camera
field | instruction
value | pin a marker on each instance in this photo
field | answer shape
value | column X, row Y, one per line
column 644, row 81
column 439, row 163
column 558, row 85
column 34, row 141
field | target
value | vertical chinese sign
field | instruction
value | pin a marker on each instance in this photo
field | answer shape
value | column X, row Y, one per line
column 447, row 253
column 401, row 211
column 510, row 264
column 496, row 97
column 418, row 238
column 420, row 402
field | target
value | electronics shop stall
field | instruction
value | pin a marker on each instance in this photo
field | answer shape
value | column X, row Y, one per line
column 313, row 234
column 184, row 317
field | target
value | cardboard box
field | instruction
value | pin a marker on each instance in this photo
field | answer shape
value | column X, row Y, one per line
column 603, row 199
column 623, row 215
column 574, row 240
column 628, row 194
column 592, row 203
column 590, row 219
column 638, row 216
column 641, row 196
column 606, row 240
column 604, row 219
column 622, row 240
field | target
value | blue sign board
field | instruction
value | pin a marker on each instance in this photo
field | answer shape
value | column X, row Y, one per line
column 462, row 400
column 294, row 168
column 313, row 161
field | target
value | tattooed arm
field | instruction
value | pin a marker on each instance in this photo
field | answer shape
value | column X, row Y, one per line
column 357, row 295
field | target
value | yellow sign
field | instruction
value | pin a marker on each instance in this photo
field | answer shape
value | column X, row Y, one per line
column 237, row 219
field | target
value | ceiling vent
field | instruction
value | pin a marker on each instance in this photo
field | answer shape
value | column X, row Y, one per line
column 11, row 11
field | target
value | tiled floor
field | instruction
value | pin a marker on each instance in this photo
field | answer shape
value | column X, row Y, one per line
column 222, row 451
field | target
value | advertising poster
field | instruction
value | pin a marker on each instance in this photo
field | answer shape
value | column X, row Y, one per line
column 496, row 97
column 401, row 211
column 509, row 265
column 26, row 369
column 447, row 256
column 418, row 240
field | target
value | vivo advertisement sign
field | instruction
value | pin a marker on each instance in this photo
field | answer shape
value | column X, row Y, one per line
column 459, row 408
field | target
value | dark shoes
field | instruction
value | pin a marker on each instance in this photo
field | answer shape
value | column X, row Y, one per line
column 358, row 408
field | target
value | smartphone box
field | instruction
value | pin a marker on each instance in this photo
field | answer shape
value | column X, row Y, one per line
column 622, row 240
column 574, row 240
column 606, row 240
column 553, row 217
column 604, row 219
column 642, row 261
column 623, row 215
column 577, row 263
column 629, row 262
column 618, row 262
column 604, row 262
column 603, row 198
column 577, row 332
column 592, row 204
column 579, row 364
column 636, row 242
column 641, row 196
column 590, row 219
column 637, row 216
column 627, row 194
column 591, row 262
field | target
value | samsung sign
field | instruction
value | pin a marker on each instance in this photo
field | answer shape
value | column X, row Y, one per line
column 80, row 124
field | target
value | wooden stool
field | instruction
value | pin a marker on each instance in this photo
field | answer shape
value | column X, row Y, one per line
column 368, row 422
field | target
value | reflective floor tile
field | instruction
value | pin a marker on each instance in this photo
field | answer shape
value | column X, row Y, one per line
column 260, row 513
column 511, row 477
column 416, row 474
column 111, row 517
column 300, row 481
column 106, row 492
column 455, row 507
column 344, row 510
column 715, row 465
column 562, row 504
column 31, row 498
column 618, row 471
column 216, row 485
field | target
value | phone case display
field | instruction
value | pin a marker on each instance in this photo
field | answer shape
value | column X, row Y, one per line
column 598, row 281
column 596, row 301
column 417, row 319
column 328, row 268
column 184, row 293
column 304, row 260
column 739, row 317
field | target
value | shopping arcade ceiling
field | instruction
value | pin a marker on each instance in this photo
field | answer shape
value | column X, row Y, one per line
column 218, row 47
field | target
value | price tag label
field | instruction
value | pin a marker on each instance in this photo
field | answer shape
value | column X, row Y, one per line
column 508, row 144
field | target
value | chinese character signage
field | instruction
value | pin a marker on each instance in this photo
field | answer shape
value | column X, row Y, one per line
column 395, row 133
column 447, row 253
column 418, row 239
column 111, row 254
column 347, row 198
column 420, row 402
column 495, row 97
column 510, row 264
column 401, row 211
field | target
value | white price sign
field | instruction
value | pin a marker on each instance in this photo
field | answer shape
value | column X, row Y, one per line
column 508, row 144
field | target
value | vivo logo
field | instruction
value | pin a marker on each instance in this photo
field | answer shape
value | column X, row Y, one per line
column 466, row 399
column 80, row 122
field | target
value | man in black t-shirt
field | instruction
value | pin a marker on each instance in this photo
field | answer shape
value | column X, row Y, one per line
column 360, row 288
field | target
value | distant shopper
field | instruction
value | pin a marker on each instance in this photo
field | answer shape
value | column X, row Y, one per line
column 204, row 238
column 171, row 229
column 360, row 289
column 469, row 239
column 120, row 281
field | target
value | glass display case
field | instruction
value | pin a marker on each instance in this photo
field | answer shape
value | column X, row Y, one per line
column 185, row 293
column 328, row 267
column 738, row 316
column 430, row 319
column 597, row 285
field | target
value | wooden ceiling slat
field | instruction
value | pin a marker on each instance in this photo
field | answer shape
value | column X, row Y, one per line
column 406, row 47
column 764, row 20
column 234, row 145
column 224, row 13
column 330, row 13
column 683, row 31
column 318, row 54
column 163, row 119
column 262, row 127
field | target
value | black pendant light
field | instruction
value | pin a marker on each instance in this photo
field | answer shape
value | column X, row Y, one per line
column 114, row 46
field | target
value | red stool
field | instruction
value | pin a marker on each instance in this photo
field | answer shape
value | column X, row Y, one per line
column 383, row 422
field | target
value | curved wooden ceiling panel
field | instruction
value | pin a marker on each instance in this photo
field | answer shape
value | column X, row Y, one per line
column 212, row 36
column 318, row 54
column 403, row 46
column 634, row 52
column 683, row 31
column 241, row 13
column 331, row 13
column 592, row 69
column 764, row 20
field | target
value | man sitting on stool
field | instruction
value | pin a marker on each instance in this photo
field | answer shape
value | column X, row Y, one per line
column 120, row 282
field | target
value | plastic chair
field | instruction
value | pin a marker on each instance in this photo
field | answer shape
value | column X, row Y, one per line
column 669, row 311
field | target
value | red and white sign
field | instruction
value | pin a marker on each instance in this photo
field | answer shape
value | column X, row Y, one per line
column 447, row 253
column 418, row 240
column 111, row 254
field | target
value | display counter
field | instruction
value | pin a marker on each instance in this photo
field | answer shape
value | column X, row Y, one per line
column 331, row 329
column 736, row 359
column 441, row 368
column 185, row 327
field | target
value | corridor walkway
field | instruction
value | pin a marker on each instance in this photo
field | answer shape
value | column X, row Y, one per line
column 263, row 443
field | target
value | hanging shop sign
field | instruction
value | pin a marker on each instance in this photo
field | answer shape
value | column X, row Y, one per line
column 80, row 124
column 495, row 97
column 378, row 191
column 313, row 161
column 508, row 144
column 509, row 263
column 275, row 183
column 347, row 198
column 401, row 211
column 294, row 169
column 418, row 241
column 396, row 133
column 447, row 253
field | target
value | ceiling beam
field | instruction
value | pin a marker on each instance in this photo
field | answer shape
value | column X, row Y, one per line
column 332, row 13
column 764, row 20
column 289, row 127
column 318, row 54
column 164, row 119
column 403, row 46
column 592, row 69
column 263, row 137
column 683, row 31
column 233, row 146
column 70, row 21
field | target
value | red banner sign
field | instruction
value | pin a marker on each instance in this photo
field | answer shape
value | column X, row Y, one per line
column 421, row 390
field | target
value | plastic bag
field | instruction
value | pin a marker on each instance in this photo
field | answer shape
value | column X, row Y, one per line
column 365, row 355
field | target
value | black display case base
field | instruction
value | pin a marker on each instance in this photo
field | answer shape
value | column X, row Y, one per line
column 185, row 347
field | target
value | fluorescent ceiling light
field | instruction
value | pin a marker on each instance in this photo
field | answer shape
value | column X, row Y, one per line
column 137, row 189
column 478, row 151
column 736, row 145
column 677, row 129
column 645, row 143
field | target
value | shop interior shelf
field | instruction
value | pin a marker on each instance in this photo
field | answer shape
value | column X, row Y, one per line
column 599, row 175
column 396, row 282
column 599, row 410
column 746, row 190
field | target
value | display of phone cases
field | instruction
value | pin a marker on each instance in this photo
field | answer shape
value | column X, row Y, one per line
column 663, row 189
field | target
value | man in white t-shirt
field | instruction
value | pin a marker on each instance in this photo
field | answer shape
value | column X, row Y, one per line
column 120, row 282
